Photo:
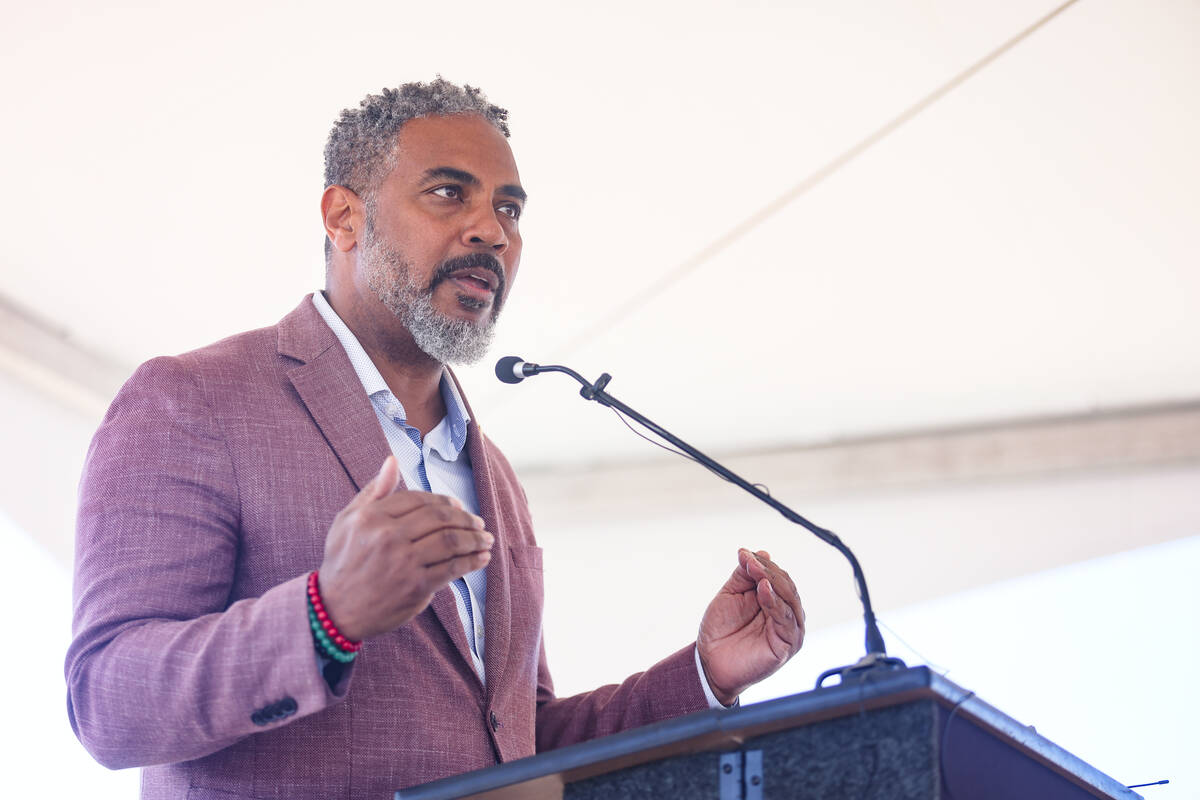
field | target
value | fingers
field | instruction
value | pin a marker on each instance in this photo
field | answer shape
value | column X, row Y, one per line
column 385, row 481
column 740, row 581
column 441, row 574
column 761, row 568
column 430, row 518
column 397, row 504
column 389, row 551
column 382, row 490
column 787, row 626
column 407, row 516
column 759, row 565
column 383, row 484
column 448, row 544
column 437, row 530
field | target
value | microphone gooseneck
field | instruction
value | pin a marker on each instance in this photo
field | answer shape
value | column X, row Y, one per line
column 512, row 369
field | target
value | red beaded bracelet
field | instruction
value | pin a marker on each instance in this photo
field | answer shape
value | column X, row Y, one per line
column 314, row 599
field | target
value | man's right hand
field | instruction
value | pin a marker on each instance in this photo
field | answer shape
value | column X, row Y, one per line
column 388, row 552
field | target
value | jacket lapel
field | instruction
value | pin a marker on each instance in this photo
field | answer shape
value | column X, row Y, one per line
column 445, row 606
column 497, row 624
column 332, row 393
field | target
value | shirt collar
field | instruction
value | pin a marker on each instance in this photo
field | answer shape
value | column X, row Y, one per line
column 456, row 414
column 373, row 384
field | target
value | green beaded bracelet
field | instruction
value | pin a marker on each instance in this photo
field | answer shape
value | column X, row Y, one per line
column 330, row 649
column 324, row 644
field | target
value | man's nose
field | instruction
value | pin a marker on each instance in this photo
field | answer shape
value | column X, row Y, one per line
column 483, row 230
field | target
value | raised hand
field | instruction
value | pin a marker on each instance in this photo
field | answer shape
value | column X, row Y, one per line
column 751, row 628
column 389, row 551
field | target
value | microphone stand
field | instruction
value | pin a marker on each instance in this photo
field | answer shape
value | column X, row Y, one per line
column 876, row 658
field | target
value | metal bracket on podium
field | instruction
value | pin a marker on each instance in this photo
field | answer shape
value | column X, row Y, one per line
column 740, row 775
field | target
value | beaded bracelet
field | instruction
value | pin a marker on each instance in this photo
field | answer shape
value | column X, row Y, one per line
column 318, row 607
column 324, row 630
column 324, row 645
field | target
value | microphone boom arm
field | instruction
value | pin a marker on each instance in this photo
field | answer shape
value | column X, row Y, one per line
column 876, row 656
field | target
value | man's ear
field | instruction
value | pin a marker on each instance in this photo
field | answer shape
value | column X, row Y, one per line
column 343, row 214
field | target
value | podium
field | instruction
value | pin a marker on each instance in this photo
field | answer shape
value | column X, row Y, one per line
column 903, row 735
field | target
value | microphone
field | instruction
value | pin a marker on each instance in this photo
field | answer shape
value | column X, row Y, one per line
column 511, row 369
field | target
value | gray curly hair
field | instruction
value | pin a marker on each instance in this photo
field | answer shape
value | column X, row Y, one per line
column 363, row 140
column 361, row 148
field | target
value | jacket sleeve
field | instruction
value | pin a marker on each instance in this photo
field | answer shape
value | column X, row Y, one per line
column 162, row 667
column 668, row 689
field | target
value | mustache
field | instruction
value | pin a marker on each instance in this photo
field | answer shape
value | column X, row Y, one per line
column 471, row 260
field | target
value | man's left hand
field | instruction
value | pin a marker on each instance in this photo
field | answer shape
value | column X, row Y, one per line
column 751, row 628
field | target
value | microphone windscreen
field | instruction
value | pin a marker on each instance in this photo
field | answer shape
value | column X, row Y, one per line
column 508, row 369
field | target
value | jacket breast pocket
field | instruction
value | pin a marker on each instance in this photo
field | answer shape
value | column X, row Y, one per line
column 526, row 556
column 528, row 596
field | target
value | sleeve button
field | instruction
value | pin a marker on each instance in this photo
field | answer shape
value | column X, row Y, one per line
column 274, row 712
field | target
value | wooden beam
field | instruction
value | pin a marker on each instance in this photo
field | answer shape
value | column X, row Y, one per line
column 1130, row 437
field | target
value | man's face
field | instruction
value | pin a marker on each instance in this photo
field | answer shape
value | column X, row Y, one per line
column 442, row 243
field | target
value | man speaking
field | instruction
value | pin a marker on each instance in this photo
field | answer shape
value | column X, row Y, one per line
column 302, row 570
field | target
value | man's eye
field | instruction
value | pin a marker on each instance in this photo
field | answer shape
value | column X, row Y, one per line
column 449, row 192
column 511, row 210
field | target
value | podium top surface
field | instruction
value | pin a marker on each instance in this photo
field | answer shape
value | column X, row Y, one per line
column 544, row 775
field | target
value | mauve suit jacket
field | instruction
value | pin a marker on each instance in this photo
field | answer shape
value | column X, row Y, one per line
column 205, row 501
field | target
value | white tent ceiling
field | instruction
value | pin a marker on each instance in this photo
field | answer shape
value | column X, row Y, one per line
column 776, row 224
column 1025, row 245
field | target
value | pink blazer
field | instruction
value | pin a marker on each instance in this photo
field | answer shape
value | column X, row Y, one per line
column 205, row 501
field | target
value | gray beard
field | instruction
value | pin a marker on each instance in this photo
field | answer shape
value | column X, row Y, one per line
column 445, row 339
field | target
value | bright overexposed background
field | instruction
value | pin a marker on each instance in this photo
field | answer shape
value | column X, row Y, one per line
column 929, row 270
